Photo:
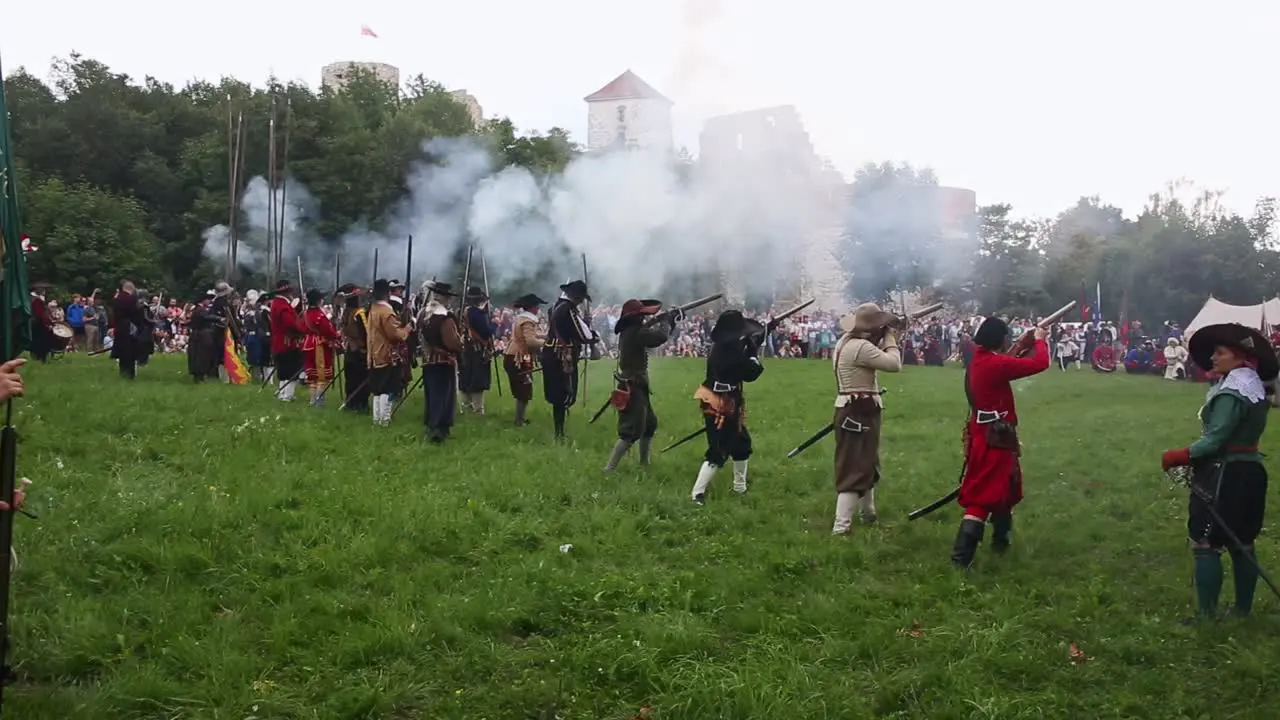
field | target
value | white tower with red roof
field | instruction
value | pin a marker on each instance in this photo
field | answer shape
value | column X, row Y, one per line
column 628, row 113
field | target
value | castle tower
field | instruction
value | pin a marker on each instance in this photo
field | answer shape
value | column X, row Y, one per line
column 336, row 74
column 628, row 113
column 770, row 148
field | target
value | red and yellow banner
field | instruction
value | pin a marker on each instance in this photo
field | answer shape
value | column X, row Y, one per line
column 236, row 371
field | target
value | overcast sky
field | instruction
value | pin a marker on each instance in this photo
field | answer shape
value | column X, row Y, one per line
column 1033, row 103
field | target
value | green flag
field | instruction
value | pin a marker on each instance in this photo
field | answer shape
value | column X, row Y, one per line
column 15, row 295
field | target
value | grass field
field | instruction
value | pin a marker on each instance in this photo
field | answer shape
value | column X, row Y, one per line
column 208, row 552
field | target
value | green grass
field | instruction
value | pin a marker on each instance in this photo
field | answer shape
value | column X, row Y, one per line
column 312, row 566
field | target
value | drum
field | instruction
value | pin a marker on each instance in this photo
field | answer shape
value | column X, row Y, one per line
column 62, row 334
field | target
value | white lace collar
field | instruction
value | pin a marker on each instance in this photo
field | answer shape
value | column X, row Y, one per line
column 1243, row 380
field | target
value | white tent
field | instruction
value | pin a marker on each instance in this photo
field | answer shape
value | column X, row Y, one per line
column 1215, row 311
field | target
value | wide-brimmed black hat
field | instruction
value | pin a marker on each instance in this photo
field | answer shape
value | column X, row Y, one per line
column 991, row 333
column 283, row 286
column 633, row 310
column 475, row 293
column 732, row 325
column 396, row 285
column 315, row 296
column 441, row 288
column 576, row 289
column 528, row 302
column 381, row 287
column 1238, row 337
column 351, row 289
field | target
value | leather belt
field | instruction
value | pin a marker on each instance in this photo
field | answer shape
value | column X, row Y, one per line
column 986, row 417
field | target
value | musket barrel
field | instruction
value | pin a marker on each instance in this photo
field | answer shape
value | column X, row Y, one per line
column 1050, row 320
column 699, row 303
column 929, row 310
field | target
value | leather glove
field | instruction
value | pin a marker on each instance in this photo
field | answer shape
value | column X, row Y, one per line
column 1175, row 458
column 890, row 339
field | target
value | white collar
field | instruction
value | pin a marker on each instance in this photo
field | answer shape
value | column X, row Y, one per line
column 435, row 308
column 525, row 314
column 1243, row 380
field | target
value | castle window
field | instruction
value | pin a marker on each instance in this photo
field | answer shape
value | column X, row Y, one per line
column 622, row 113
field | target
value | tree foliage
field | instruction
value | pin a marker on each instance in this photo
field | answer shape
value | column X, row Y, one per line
column 120, row 179
column 1160, row 265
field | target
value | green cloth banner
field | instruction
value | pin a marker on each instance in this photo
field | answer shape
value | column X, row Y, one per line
column 15, row 295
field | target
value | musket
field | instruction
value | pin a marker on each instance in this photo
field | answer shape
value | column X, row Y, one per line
column 684, row 308
column 656, row 318
column 922, row 312
column 900, row 322
column 776, row 322
column 375, row 268
column 1021, row 347
column 825, row 431
column 1023, row 344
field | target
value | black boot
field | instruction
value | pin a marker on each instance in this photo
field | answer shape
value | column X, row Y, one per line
column 967, row 541
column 1001, row 528
column 558, row 413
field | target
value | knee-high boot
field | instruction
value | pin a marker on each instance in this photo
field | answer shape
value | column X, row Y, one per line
column 967, row 541
column 645, row 445
column 620, row 449
column 558, row 413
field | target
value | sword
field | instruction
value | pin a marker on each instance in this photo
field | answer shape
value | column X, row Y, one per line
column 944, row 500
column 1184, row 474
column 404, row 397
column 600, row 412
column 685, row 439
column 817, row 436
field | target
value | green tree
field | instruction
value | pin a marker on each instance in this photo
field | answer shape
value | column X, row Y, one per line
column 88, row 237
column 892, row 230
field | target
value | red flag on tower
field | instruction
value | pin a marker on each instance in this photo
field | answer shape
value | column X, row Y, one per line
column 366, row 31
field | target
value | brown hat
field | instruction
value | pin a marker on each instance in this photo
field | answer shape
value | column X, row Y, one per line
column 866, row 318
column 633, row 309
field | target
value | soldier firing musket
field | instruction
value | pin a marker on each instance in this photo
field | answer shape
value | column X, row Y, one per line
column 991, row 478
column 641, row 328
column 650, row 318
column 876, row 326
column 755, row 334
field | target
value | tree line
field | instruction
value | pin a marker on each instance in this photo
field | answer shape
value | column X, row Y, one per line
column 1158, row 266
column 121, row 179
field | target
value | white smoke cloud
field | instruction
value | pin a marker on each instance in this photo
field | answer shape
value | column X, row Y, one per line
column 641, row 221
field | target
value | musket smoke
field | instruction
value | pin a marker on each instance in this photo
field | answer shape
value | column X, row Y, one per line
column 643, row 220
